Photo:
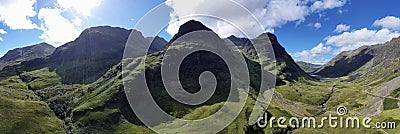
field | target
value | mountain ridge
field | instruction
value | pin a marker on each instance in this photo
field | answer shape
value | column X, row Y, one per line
column 19, row 55
column 367, row 62
column 86, row 58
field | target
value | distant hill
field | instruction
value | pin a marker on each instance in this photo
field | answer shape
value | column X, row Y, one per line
column 19, row 55
column 85, row 59
column 376, row 63
column 308, row 67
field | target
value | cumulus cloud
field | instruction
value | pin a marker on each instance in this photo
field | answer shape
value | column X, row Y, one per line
column 316, row 55
column 16, row 14
column 82, row 7
column 326, row 4
column 341, row 28
column 57, row 30
column 271, row 13
column 2, row 31
column 389, row 22
column 355, row 39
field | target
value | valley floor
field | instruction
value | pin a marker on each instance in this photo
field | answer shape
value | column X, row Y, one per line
column 40, row 104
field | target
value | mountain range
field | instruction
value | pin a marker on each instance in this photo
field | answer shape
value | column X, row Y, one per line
column 78, row 87
column 368, row 64
column 85, row 59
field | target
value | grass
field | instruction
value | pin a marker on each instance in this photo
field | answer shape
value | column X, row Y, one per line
column 22, row 109
column 305, row 92
column 396, row 93
column 347, row 94
column 389, row 104
column 13, row 82
column 41, row 79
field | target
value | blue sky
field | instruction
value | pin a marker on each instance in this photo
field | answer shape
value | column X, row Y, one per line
column 310, row 30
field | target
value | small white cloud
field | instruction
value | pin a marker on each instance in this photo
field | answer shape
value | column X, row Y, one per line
column 355, row 39
column 341, row 28
column 316, row 55
column 83, row 7
column 317, row 25
column 16, row 14
column 389, row 22
column 57, row 30
column 340, row 11
column 2, row 31
column 326, row 4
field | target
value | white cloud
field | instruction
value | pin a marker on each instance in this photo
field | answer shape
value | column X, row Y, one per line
column 389, row 22
column 315, row 55
column 77, row 21
column 2, row 31
column 57, row 30
column 271, row 13
column 341, row 28
column 82, row 7
column 355, row 39
column 16, row 14
column 326, row 4
column 317, row 25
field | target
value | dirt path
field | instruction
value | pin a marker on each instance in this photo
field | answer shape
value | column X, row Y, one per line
column 376, row 97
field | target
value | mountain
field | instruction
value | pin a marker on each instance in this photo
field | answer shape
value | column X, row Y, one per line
column 376, row 63
column 307, row 67
column 188, row 27
column 88, row 57
column 106, row 96
column 102, row 106
column 286, row 67
column 19, row 55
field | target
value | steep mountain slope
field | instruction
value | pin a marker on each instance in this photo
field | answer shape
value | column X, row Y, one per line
column 377, row 63
column 104, row 107
column 286, row 67
column 85, row 59
column 19, row 55
column 308, row 67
